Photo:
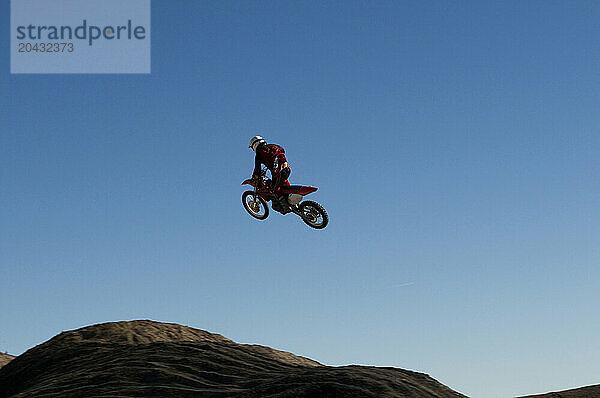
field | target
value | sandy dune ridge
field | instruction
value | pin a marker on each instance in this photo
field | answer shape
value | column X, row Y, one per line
column 5, row 358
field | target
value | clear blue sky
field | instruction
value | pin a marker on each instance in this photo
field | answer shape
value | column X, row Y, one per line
column 455, row 145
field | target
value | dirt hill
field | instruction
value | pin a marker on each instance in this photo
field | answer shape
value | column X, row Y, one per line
column 152, row 359
column 583, row 392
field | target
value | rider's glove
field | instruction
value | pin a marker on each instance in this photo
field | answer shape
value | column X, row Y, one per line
column 256, row 180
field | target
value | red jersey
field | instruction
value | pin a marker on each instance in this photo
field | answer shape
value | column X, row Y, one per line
column 271, row 155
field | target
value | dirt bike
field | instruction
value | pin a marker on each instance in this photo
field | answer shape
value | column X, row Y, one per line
column 289, row 201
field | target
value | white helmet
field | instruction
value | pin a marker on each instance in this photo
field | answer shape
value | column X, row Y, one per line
column 255, row 142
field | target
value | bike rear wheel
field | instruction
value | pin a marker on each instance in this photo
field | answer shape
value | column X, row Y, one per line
column 313, row 214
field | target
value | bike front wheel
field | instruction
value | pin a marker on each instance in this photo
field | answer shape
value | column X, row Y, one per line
column 255, row 205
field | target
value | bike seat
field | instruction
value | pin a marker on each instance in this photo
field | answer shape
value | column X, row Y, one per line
column 301, row 189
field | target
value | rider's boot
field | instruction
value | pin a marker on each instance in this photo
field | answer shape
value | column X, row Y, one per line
column 279, row 203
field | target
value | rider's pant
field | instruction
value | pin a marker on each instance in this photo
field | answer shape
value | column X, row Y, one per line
column 281, row 179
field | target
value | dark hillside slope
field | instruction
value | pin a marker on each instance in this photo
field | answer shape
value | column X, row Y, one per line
column 152, row 359
column 583, row 392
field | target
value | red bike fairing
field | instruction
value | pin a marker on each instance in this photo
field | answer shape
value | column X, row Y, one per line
column 299, row 189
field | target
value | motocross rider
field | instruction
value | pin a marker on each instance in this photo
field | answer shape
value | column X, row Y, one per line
column 272, row 156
